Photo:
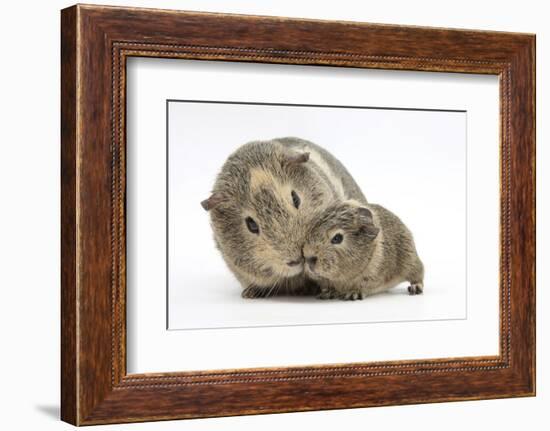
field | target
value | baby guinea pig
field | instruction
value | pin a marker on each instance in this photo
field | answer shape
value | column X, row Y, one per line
column 259, row 202
column 353, row 250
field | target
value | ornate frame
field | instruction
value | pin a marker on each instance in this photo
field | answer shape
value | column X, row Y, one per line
column 95, row 43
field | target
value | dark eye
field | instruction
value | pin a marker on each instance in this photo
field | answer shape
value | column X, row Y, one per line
column 295, row 199
column 252, row 225
column 337, row 239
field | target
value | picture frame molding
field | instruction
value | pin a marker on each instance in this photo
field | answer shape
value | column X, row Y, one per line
column 96, row 41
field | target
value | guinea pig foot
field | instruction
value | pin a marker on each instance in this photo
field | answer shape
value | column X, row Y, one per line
column 254, row 291
column 415, row 289
column 352, row 296
column 326, row 293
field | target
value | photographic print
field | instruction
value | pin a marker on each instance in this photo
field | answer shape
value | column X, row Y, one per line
column 349, row 216
column 315, row 214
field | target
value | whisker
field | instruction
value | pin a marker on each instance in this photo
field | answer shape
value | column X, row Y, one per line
column 271, row 290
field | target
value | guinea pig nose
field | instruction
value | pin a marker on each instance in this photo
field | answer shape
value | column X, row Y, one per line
column 294, row 262
column 311, row 261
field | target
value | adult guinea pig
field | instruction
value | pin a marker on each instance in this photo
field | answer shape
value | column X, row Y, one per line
column 259, row 205
column 354, row 250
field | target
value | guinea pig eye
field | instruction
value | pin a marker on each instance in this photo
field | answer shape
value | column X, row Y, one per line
column 252, row 225
column 337, row 239
column 295, row 199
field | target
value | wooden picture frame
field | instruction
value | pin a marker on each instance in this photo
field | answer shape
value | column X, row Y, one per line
column 95, row 43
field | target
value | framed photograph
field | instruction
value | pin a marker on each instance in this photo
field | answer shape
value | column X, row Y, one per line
column 265, row 214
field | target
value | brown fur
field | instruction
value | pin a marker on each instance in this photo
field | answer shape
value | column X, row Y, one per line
column 257, row 182
column 377, row 251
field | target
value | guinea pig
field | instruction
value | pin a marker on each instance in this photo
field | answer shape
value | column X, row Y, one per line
column 258, row 206
column 354, row 250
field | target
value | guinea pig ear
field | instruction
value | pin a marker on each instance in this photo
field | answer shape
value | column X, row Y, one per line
column 366, row 222
column 364, row 215
column 296, row 158
column 214, row 200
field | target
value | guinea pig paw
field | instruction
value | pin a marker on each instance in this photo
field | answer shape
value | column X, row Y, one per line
column 352, row 296
column 415, row 289
column 326, row 293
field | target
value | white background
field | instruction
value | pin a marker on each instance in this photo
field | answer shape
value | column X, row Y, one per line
column 411, row 162
column 153, row 349
column 29, row 229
